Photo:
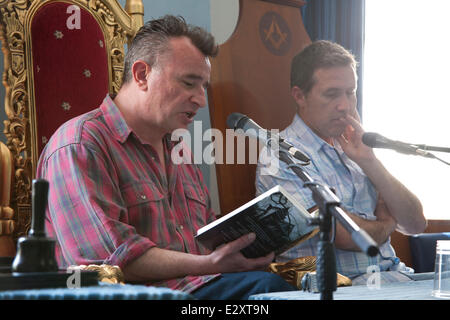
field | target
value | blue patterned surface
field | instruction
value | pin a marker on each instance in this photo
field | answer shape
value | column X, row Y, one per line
column 411, row 290
column 101, row 292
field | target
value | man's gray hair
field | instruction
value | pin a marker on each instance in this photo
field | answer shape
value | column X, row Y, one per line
column 151, row 41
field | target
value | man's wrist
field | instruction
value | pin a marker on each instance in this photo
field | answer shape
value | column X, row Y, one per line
column 370, row 165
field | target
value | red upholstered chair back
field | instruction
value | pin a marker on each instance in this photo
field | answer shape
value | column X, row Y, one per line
column 61, row 59
column 70, row 69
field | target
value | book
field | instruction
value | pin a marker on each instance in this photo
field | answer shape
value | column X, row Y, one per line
column 277, row 219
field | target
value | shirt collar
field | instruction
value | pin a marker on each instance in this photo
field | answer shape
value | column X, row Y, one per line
column 171, row 143
column 304, row 133
column 120, row 129
column 114, row 119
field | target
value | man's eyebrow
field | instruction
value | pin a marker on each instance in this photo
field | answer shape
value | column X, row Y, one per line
column 332, row 89
column 193, row 76
column 196, row 77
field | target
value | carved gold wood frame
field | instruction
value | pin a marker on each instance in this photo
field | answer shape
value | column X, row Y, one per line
column 119, row 27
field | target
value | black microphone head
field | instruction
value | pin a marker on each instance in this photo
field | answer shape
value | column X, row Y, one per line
column 370, row 139
column 372, row 251
column 234, row 118
column 376, row 140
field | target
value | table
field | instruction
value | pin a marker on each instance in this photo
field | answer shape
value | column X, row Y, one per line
column 419, row 289
column 100, row 292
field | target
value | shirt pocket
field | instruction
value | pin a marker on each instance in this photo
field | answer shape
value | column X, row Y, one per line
column 145, row 204
column 197, row 205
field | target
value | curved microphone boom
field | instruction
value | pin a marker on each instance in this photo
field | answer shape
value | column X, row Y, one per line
column 252, row 129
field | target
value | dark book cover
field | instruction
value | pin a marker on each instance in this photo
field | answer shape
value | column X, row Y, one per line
column 276, row 218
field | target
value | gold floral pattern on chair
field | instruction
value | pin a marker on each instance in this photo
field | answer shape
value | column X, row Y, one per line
column 58, row 34
column 66, row 106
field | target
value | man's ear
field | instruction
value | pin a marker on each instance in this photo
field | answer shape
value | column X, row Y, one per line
column 140, row 70
column 298, row 96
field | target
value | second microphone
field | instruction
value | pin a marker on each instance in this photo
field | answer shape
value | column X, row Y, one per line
column 252, row 129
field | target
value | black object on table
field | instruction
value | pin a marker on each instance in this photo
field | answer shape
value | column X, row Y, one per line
column 35, row 265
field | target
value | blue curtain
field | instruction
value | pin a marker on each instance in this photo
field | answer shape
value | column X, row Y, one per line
column 341, row 21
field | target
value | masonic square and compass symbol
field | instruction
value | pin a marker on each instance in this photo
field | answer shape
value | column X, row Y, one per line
column 274, row 33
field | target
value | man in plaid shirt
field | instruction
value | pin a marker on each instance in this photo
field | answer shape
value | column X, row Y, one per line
column 115, row 195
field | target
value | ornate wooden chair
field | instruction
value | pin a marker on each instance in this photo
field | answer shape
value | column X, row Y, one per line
column 7, row 246
column 61, row 59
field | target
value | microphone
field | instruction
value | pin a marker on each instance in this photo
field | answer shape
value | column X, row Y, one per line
column 375, row 140
column 239, row 121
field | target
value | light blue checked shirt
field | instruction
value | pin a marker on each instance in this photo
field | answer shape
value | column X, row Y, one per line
column 332, row 167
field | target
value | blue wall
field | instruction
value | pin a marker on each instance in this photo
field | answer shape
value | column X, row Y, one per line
column 194, row 11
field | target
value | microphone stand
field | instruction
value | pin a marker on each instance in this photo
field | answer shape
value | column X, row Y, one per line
column 431, row 148
column 422, row 149
column 425, row 148
column 329, row 210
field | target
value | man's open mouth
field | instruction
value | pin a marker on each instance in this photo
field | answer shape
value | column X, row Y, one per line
column 190, row 115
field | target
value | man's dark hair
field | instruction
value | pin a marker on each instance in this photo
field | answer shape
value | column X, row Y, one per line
column 319, row 54
column 153, row 37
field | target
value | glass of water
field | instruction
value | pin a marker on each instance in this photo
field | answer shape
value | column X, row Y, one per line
column 442, row 270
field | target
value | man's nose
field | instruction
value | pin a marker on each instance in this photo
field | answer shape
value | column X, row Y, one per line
column 199, row 97
column 345, row 103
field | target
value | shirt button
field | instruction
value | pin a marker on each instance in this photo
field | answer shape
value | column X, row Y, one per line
column 143, row 196
column 181, row 227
